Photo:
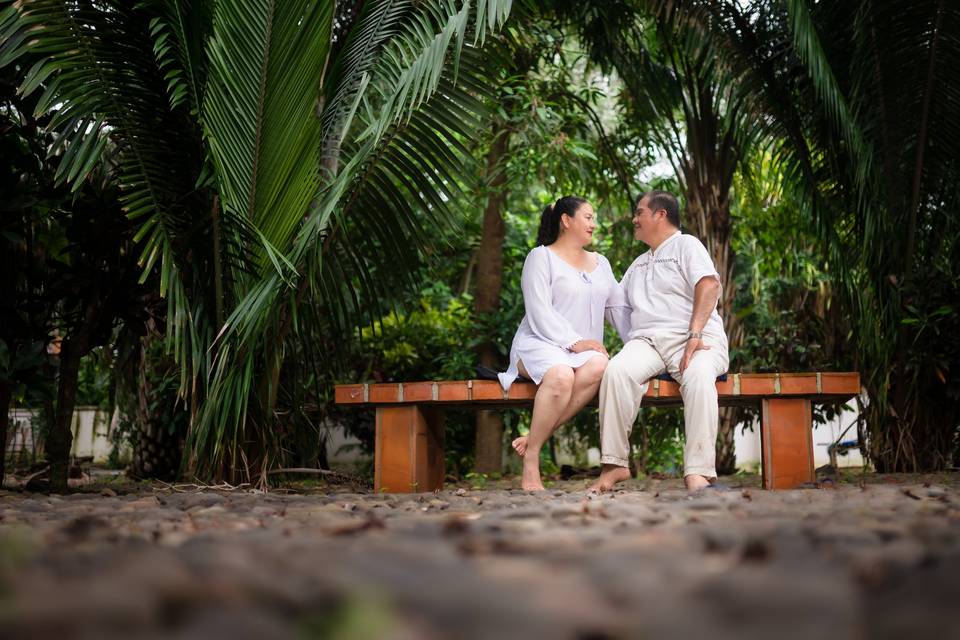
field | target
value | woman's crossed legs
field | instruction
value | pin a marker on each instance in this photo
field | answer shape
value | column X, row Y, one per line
column 562, row 393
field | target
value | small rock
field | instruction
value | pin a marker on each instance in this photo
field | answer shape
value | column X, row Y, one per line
column 755, row 550
column 143, row 503
column 456, row 524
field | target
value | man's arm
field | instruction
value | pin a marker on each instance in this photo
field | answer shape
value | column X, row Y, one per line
column 706, row 295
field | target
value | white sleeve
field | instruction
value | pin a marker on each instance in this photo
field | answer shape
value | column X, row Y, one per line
column 543, row 319
column 617, row 309
column 697, row 263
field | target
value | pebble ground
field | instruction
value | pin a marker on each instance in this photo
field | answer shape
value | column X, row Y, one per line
column 875, row 560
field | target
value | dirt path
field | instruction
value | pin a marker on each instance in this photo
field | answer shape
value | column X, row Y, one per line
column 651, row 561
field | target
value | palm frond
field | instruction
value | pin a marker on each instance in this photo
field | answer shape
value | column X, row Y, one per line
column 259, row 110
column 180, row 32
column 411, row 77
column 378, row 22
column 97, row 76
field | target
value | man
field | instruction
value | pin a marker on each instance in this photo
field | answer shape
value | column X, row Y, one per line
column 672, row 291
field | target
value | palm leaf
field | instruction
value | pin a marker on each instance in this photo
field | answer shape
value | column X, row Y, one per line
column 97, row 76
column 180, row 32
column 259, row 119
column 403, row 82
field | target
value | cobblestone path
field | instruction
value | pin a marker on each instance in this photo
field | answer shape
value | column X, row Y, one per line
column 881, row 561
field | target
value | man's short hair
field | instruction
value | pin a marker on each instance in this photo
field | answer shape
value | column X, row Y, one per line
column 663, row 200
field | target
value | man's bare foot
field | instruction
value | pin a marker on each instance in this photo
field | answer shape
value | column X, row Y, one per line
column 695, row 482
column 531, row 474
column 610, row 475
column 520, row 445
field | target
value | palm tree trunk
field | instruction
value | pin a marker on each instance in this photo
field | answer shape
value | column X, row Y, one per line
column 489, row 265
column 708, row 217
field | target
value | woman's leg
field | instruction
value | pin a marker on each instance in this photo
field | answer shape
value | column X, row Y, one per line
column 586, row 381
column 520, row 444
column 552, row 397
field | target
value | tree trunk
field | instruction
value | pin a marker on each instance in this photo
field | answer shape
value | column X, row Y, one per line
column 73, row 348
column 158, row 420
column 489, row 265
column 60, row 438
column 730, row 417
column 6, row 395
column 708, row 217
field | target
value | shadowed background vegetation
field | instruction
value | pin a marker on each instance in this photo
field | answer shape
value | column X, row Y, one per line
column 214, row 211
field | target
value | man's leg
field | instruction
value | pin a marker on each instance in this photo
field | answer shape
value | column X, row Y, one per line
column 698, row 387
column 621, row 390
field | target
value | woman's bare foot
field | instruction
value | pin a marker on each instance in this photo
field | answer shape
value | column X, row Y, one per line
column 531, row 474
column 695, row 482
column 520, row 445
column 610, row 475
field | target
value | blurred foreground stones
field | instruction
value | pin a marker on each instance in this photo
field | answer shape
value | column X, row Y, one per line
column 882, row 561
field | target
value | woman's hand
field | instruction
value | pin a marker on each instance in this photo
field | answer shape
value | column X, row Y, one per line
column 589, row 345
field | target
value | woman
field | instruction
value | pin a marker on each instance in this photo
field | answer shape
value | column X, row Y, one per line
column 559, row 345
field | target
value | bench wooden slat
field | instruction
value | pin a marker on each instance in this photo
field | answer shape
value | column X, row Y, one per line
column 822, row 387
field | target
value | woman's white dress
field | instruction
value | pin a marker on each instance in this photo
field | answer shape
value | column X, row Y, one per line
column 563, row 305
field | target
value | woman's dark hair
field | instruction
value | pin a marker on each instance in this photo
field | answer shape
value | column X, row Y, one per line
column 550, row 218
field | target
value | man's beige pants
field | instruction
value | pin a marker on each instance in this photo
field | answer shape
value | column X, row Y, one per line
column 624, row 383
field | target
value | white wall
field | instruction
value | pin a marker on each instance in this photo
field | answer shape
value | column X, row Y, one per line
column 747, row 445
column 91, row 432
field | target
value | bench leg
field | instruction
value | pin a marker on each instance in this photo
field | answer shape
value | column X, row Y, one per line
column 787, row 442
column 409, row 450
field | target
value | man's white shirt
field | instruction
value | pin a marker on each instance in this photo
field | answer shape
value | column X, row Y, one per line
column 659, row 287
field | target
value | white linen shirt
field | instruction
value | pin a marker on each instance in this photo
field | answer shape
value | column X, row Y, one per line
column 659, row 287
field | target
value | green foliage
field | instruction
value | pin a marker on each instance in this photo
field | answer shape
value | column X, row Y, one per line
column 293, row 175
column 247, row 136
column 95, row 380
column 784, row 289
column 434, row 340
column 476, row 480
column 870, row 160
column 657, row 441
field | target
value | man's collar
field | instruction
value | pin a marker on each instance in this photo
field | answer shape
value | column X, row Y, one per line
column 665, row 242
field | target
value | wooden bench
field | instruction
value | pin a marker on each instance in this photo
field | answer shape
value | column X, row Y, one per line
column 410, row 420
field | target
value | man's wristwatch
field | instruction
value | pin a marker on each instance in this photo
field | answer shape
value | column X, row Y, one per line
column 695, row 334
